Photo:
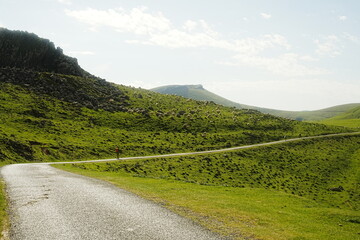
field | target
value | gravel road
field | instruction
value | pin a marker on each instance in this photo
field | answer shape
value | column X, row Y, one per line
column 48, row 203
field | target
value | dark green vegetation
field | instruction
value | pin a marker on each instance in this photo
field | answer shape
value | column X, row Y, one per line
column 197, row 92
column 308, row 189
column 28, row 51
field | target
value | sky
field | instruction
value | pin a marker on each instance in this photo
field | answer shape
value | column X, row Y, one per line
column 279, row 54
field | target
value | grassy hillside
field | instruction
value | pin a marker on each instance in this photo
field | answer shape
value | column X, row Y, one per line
column 307, row 189
column 350, row 119
column 325, row 113
column 354, row 113
column 199, row 93
column 40, row 127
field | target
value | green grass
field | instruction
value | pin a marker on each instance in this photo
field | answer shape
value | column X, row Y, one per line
column 350, row 123
column 306, row 168
column 350, row 119
column 273, row 192
column 241, row 213
column 4, row 221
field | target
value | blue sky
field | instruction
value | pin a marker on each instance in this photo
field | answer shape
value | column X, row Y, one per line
column 282, row 54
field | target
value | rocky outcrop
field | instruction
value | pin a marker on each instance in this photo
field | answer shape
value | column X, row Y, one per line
column 28, row 51
column 93, row 93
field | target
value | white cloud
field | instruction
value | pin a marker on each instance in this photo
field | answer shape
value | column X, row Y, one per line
column 190, row 25
column 342, row 18
column 288, row 64
column 328, row 46
column 156, row 30
column 136, row 21
column 160, row 31
column 265, row 15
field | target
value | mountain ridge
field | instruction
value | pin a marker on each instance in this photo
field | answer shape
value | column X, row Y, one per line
column 198, row 92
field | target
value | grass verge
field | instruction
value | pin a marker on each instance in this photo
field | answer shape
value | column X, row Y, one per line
column 4, row 220
column 240, row 213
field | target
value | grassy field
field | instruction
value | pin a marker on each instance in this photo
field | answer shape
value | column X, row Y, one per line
column 350, row 123
column 273, row 192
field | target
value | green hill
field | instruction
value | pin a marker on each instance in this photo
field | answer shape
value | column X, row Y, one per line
column 350, row 118
column 47, row 115
column 353, row 113
column 199, row 93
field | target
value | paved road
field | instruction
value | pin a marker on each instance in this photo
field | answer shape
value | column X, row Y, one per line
column 47, row 203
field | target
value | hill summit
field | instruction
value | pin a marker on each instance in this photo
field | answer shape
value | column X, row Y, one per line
column 25, row 50
column 198, row 92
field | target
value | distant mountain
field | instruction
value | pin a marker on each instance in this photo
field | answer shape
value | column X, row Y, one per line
column 198, row 92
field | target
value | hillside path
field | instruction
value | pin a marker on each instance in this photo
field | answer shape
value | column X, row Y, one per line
column 48, row 203
column 206, row 152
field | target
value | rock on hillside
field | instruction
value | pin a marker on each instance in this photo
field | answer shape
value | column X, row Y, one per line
column 93, row 93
